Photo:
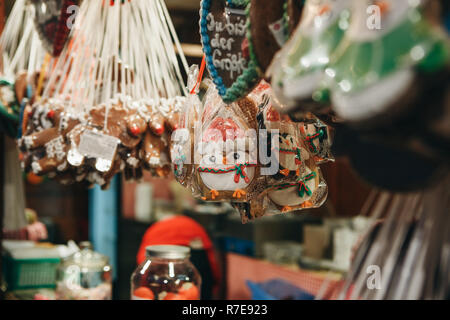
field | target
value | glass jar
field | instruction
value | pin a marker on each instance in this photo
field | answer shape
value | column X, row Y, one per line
column 85, row 275
column 166, row 274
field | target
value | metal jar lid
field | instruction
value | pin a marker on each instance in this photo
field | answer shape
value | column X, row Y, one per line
column 168, row 252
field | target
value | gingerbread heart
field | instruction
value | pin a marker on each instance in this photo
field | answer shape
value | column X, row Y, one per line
column 47, row 15
column 223, row 33
column 53, row 20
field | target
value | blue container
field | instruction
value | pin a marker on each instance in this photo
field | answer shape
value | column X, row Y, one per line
column 239, row 246
column 277, row 289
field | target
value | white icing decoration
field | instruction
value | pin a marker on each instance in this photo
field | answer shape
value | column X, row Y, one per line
column 103, row 165
column 7, row 94
column 373, row 100
column 55, row 148
column 290, row 197
column 64, row 122
column 132, row 161
column 62, row 166
column 210, row 147
column 235, row 64
column 28, row 141
column 287, row 160
column 224, row 181
column 36, row 167
column 74, row 157
column 154, row 161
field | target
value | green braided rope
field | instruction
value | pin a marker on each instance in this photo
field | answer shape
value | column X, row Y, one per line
column 237, row 168
column 299, row 154
column 311, row 137
column 237, row 3
column 288, row 151
column 251, row 75
column 301, row 183
column 295, row 151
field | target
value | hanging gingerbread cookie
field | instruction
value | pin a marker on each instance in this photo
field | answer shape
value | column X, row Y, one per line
column 317, row 138
column 299, row 68
column 307, row 189
column 225, row 153
column 223, row 28
column 387, row 63
column 390, row 80
column 282, row 141
column 225, row 175
column 182, row 140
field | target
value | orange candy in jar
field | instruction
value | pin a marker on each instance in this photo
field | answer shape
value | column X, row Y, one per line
column 166, row 274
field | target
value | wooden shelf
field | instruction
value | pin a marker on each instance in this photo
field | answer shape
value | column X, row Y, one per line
column 183, row 4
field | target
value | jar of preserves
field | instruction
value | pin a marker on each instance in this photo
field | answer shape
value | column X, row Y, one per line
column 166, row 274
column 85, row 275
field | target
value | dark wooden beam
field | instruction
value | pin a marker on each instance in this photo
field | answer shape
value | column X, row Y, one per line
column 2, row 206
column 2, row 165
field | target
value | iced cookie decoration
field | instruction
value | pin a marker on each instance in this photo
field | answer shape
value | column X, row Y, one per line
column 293, row 194
column 317, row 139
column 298, row 180
column 290, row 153
column 307, row 191
column 117, row 130
column 221, row 171
column 226, row 153
column 290, row 156
column 44, row 143
column 223, row 28
column 304, row 191
column 283, row 148
column 267, row 30
column 162, row 120
column 299, row 67
column 378, row 72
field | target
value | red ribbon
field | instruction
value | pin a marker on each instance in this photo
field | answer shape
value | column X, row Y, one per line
column 200, row 75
